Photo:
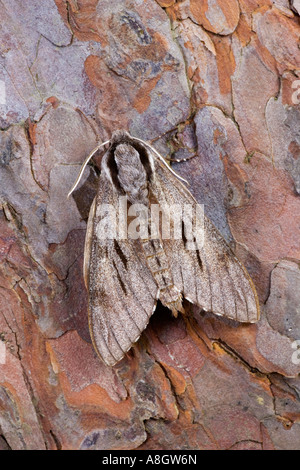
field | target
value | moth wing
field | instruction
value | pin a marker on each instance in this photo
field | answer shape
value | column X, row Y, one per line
column 88, row 243
column 211, row 277
column 122, row 291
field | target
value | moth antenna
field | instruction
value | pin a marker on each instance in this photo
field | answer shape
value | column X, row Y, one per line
column 84, row 165
column 162, row 160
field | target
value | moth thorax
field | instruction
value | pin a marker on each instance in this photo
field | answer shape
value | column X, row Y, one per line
column 131, row 173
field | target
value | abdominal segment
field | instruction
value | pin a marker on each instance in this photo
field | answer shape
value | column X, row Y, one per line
column 157, row 261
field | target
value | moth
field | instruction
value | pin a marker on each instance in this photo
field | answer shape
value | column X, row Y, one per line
column 126, row 276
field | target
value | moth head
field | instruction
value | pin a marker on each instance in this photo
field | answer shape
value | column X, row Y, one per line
column 119, row 136
column 129, row 166
column 145, row 156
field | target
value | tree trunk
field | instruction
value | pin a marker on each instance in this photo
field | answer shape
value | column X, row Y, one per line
column 219, row 79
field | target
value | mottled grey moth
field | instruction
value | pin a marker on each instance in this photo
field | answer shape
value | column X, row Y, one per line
column 127, row 270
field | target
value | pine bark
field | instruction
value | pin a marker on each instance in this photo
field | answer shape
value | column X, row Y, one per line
column 223, row 77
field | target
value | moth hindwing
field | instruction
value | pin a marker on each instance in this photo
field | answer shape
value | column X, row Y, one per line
column 147, row 240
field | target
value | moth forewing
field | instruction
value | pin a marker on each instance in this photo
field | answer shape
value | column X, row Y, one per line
column 88, row 243
column 122, row 291
column 211, row 277
column 125, row 276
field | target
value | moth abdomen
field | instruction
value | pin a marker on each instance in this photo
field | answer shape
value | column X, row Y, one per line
column 158, row 264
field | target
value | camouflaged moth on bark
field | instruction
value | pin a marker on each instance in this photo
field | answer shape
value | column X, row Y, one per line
column 126, row 276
